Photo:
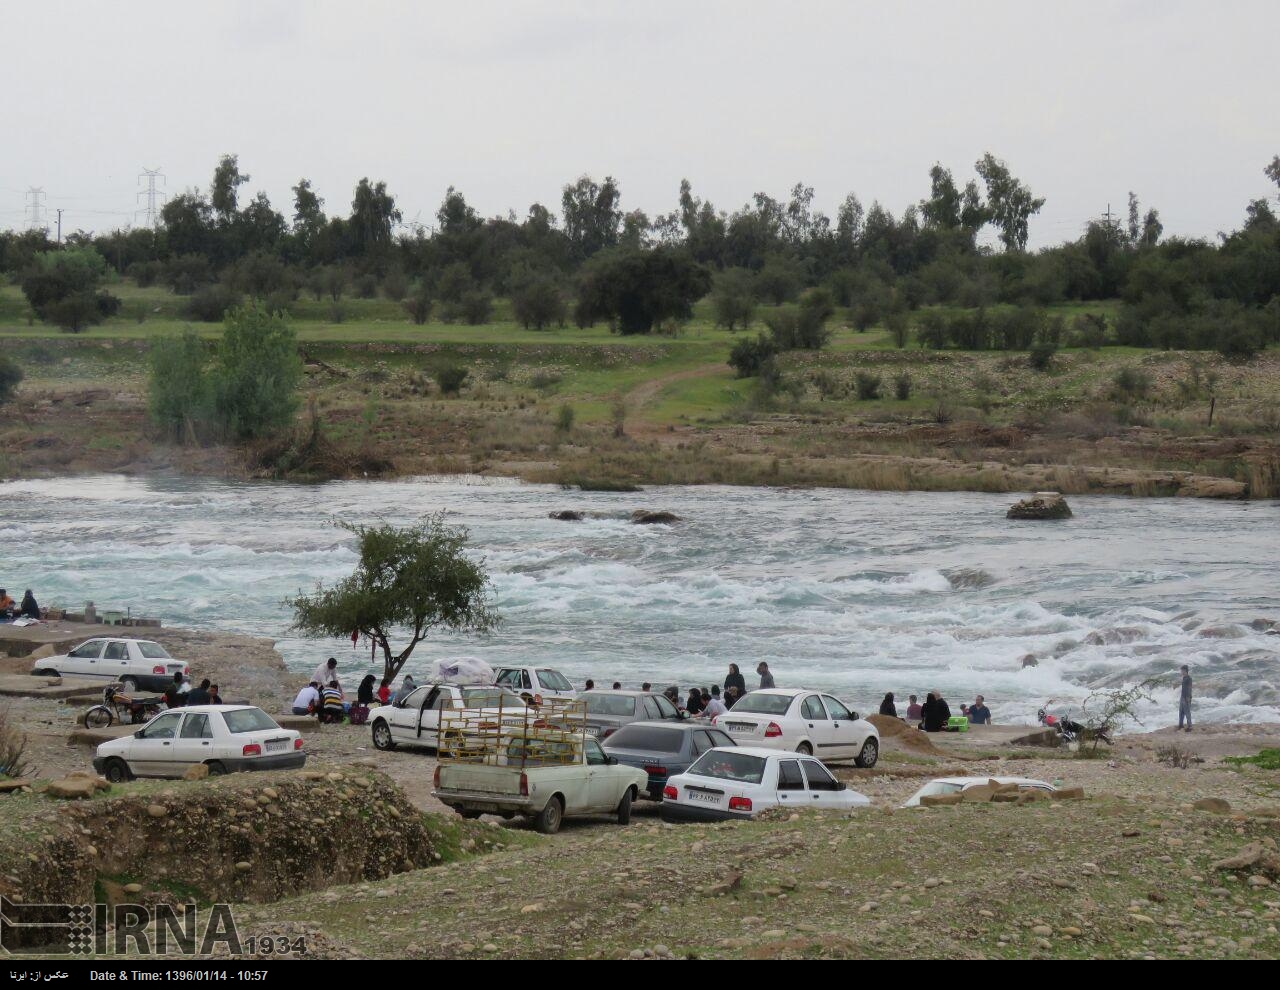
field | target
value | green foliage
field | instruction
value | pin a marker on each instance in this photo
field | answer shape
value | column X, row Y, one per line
column 1040, row 357
column 732, row 299
column 1106, row 711
column 419, row 305
column 750, row 353
column 902, row 387
column 62, row 288
column 10, row 377
column 803, row 327
column 640, row 288
column 867, row 386
column 211, row 303
column 415, row 579
column 564, row 419
column 258, row 373
column 1010, row 202
column 1267, row 759
column 899, row 328
column 451, row 378
column 179, row 386
column 537, row 302
column 1132, row 383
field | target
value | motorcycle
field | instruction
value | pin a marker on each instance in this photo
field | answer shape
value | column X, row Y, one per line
column 1070, row 730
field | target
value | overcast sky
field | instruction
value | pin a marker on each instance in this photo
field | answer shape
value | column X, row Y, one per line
column 508, row 101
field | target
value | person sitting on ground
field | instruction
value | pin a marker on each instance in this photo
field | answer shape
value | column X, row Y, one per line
column 407, row 687
column 734, row 679
column 333, row 709
column 887, row 707
column 215, row 698
column 174, row 696
column 766, row 678
column 694, row 705
column 364, row 693
column 200, row 695
column 937, row 713
column 979, row 713
column 308, row 700
column 326, row 672
column 914, row 713
column 29, row 609
column 384, row 690
column 712, row 706
column 7, row 605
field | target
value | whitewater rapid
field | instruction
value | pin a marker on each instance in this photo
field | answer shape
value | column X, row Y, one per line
column 858, row 593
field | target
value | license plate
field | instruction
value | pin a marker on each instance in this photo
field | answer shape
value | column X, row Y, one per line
column 740, row 726
column 704, row 797
column 277, row 745
column 591, row 731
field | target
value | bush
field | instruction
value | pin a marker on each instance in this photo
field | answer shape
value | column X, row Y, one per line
column 732, row 300
column 867, row 385
column 805, row 326
column 178, row 390
column 146, row 273
column 1089, row 330
column 395, row 285
column 258, row 373
column 210, row 304
column 1132, row 383
column 1239, row 342
column 750, row 353
column 367, row 286
column 538, row 302
column 418, row 306
column 899, row 328
column 451, row 378
column 902, row 387
column 564, row 419
column 13, row 749
column 10, row 376
column 1040, row 357
column 827, row 384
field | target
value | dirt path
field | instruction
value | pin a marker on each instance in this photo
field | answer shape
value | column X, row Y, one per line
column 646, row 392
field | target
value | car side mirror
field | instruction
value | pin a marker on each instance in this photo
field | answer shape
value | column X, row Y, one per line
column 841, row 786
column 140, row 734
column 853, row 716
column 611, row 761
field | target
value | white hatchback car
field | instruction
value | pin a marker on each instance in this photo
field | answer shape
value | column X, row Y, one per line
column 135, row 663
column 739, row 783
column 225, row 738
column 535, row 682
column 803, row 721
column 956, row 785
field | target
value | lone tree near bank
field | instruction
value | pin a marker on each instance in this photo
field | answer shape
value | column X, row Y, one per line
column 416, row 579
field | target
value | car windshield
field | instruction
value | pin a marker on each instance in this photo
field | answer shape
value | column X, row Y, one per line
column 248, row 720
column 490, row 698
column 531, row 751
column 763, row 704
column 610, row 704
column 939, row 787
column 154, row 651
column 648, row 738
column 554, row 680
column 729, row 766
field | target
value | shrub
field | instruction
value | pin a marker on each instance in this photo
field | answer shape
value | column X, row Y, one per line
column 538, row 302
column 1040, row 357
column 902, row 387
column 337, row 312
column 258, row 373
column 451, row 378
column 750, row 353
column 867, row 386
column 1132, row 383
column 564, row 419
column 545, row 378
column 899, row 328
column 732, row 300
column 395, row 285
column 1089, row 330
column 803, row 327
column 179, row 397
column 10, row 376
column 210, row 304
column 367, row 286
column 13, row 749
column 944, row 410
column 1239, row 342
column 418, row 306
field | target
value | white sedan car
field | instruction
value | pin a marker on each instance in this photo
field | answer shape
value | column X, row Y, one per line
column 135, row 663
column 741, row 782
column 225, row 738
column 956, row 785
column 802, row 721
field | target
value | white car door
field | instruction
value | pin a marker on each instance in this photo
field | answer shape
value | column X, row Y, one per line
column 817, row 726
column 83, row 660
column 404, row 717
column 194, row 743
column 604, row 783
column 824, row 789
column 792, row 792
column 844, row 729
column 151, row 752
column 115, row 660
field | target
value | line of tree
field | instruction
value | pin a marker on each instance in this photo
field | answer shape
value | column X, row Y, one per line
column 595, row 261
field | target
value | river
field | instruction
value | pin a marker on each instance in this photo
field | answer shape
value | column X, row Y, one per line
column 855, row 592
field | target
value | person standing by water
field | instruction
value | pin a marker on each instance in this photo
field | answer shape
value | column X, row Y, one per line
column 766, row 678
column 1184, row 699
column 734, row 679
column 979, row 713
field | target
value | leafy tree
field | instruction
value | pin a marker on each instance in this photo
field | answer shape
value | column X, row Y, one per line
column 417, row 578
column 419, row 304
column 455, row 217
column 1010, row 202
column 258, row 373
column 591, row 215
column 750, row 354
column 10, row 376
column 942, row 208
column 308, row 209
column 211, row 303
column 373, row 214
column 223, row 195
column 803, row 327
column 538, row 301
column 732, row 299
column 455, row 281
column 779, row 280
column 179, row 387
column 641, row 288
column 62, row 287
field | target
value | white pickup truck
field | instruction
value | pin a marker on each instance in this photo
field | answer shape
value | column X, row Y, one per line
column 544, row 778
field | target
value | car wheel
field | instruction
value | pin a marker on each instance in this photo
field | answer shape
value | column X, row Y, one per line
column 804, row 749
column 870, row 753
column 117, row 771
column 382, row 736
column 46, row 672
column 548, row 821
column 216, row 769
column 128, row 685
column 624, row 809
column 468, row 814
column 98, row 717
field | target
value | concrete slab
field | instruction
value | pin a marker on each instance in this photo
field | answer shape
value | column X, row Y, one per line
column 26, row 686
column 92, row 737
column 985, row 737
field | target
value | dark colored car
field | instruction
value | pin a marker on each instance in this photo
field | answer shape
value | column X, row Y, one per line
column 609, row 711
column 663, row 749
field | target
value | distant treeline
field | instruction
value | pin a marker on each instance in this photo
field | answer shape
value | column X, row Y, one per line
column 596, row 262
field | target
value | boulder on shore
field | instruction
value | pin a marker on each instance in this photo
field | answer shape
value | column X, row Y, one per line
column 1042, row 505
column 566, row 515
column 643, row 517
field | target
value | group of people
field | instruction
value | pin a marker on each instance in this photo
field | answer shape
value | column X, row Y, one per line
column 325, row 697
column 935, row 714
column 180, row 694
column 10, row 610
column 702, row 701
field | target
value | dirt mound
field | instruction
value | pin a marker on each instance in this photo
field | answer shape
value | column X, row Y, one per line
column 897, row 735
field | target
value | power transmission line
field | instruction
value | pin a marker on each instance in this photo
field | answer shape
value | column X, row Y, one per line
column 152, row 194
column 35, row 208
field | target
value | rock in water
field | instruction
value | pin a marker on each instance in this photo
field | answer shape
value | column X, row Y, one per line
column 566, row 515
column 642, row 517
column 1043, row 505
